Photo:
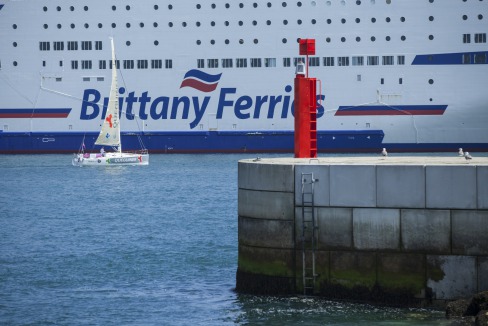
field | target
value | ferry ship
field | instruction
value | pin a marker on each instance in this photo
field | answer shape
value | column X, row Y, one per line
column 217, row 76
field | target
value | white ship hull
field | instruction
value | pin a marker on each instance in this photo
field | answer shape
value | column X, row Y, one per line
column 404, row 75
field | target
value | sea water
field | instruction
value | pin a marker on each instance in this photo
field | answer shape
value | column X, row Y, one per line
column 144, row 245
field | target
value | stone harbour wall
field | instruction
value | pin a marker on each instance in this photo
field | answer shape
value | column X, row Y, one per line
column 407, row 231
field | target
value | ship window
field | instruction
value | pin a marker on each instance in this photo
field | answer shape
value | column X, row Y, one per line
column 117, row 64
column 46, row 26
column 373, row 60
column 382, row 81
column 284, row 40
column 480, row 17
column 241, row 5
column 156, row 64
column 72, row 26
column 358, row 77
column 102, row 64
column 127, row 7
column 200, row 63
column 466, row 38
column 241, row 63
column 402, row 19
column 227, row 41
column 358, row 20
column 114, row 25
column 114, row 8
column 314, row 21
column 212, row 42
column 403, row 38
column 328, row 61
column 15, row 63
column 156, row 7
column 86, row 79
column 86, row 64
column 299, row 4
column 127, row 25
column 343, row 61
column 401, row 60
column 170, row 7
column 343, row 21
column 270, row 62
column 256, row 41
column 255, row 62
column 213, row 63
column 72, row 8
column 128, row 64
column 156, row 24
column 286, row 62
column 465, row 17
column 43, row 63
column 61, row 63
column 199, row 42
column 388, row 19
column 156, row 42
column 431, row 81
column 127, row 43
column 213, row 6
column 14, row 26
column 58, row 46
column 358, row 39
column 480, row 38
column 142, row 64
column 44, row 46
column 59, row 26
column 373, row 38
column 85, row 8
column 227, row 6
column 86, row 45
column 100, row 25
column 199, row 6
column 212, row 23
column 226, row 63
column 400, row 81
column 329, row 21
column 388, row 60
column 357, row 61
column 74, row 64
column 72, row 45
column 86, row 25
column 168, row 63
column 314, row 61
column 388, row 38
column 327, row 39
column 98, row 45
column 373, row 20
column 480, row 58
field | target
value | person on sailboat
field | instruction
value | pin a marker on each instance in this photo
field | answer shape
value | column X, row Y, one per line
column 102, row 151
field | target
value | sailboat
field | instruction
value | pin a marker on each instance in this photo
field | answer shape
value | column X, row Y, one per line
column 110, row 135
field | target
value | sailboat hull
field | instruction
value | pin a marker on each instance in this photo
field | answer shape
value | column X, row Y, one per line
column 110, row 159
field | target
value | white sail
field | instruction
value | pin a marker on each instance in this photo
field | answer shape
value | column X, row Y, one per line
column 110, row 133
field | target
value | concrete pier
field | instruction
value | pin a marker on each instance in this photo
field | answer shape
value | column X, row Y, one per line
column 398, row 230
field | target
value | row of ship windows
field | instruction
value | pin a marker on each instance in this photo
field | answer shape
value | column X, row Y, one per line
column 284, row 4
column 98, row 45
column 386, row 60
column 241, row 5
column 241, row 23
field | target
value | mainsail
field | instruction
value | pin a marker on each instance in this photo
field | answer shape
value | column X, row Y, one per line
column 110, row 133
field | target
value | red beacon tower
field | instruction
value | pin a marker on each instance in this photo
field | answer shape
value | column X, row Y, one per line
column 305, row 105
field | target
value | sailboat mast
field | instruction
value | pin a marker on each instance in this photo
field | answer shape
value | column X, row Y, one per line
column 115, row 91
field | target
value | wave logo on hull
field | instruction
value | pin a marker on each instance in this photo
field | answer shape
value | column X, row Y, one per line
column 200, row 80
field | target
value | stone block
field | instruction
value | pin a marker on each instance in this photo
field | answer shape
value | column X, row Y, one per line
column 482, row 274
column 265, row 177
column 451, row 187
column 400, row 186
column 376, row 228
column 265, row 233
column 353, row 185
column 482, row 172
column 266, row 261
column 353, row 269
column 426, row 231
column 335, row 228
column 403, row 274
column 321, row 185
column 265, row 204
column 470, row 232
column 451, row 277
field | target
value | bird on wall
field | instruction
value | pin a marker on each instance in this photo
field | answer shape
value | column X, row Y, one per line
column 460, row 152
column 384, row 152
column 467, row 156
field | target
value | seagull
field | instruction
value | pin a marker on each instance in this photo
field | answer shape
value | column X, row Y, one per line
column 257, row 159
column 460, row 152
column 467, row 156
column 384, row 152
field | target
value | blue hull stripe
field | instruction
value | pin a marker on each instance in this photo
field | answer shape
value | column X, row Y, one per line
column 452, row 58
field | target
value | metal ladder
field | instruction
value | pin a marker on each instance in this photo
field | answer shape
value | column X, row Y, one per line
column 309, row 234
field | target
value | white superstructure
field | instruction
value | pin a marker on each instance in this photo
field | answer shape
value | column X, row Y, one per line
column 205, row 76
